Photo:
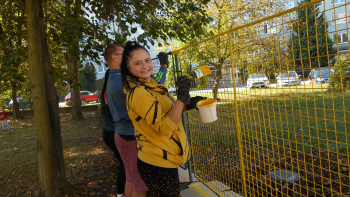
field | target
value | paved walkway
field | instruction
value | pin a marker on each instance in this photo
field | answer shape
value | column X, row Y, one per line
column 197, row 188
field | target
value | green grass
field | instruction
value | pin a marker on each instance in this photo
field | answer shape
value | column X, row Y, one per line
column 18, row 159
column 297, row 117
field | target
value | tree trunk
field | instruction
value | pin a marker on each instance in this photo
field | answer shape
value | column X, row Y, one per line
column 49, row 170
column 53, row 105
column 15, row 106
column 77, row 113
column 73, row 64
column 217, row 82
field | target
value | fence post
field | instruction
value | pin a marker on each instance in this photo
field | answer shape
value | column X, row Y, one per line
column 184, row 119
column 238, row 126
column 189, row 163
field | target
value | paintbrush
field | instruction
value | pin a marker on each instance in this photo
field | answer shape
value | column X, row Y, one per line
column 201, row 72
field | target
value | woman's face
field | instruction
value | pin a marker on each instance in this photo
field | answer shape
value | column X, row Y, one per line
column 140, row 64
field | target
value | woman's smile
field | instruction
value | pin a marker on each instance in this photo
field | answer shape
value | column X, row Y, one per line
column 145, row 72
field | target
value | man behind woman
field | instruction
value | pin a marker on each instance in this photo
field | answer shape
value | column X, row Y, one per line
column 108, row 136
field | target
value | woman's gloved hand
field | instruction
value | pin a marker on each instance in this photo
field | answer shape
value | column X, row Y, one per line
column 163, row 58
column 183, row 84
column 194, row 101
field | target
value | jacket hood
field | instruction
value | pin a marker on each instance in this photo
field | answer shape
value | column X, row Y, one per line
column 152, row 84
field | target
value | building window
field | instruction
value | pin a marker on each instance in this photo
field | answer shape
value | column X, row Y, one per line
column 337, row 1
column 296, row 3
column 341, row 37
column 320, row 4
column 341, row 18
column 102, row 68
column 271, row 30
column 290, row 5
column 155, row 62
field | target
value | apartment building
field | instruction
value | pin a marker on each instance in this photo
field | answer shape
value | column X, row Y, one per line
column 337, row 16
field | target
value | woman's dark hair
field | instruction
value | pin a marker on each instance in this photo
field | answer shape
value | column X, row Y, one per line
column 104, row 88
column 129, row 47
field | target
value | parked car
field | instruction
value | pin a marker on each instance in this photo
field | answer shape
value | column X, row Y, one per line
column 288, row 78
column 320, row 75
column 22, row 104
column 85, row 97
column 257, row 80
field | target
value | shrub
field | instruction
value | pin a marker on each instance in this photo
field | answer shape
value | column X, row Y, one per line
column 340, row 79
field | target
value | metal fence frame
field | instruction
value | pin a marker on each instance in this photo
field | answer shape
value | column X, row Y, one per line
column 254, row 117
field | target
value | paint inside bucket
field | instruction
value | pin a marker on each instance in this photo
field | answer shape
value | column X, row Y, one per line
column 208, row 110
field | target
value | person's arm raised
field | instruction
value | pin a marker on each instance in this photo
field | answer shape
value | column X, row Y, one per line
column 164, row 62
column 183, row 97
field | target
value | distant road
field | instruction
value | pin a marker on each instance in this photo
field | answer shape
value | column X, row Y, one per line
column 238, row 88
column 62, row 104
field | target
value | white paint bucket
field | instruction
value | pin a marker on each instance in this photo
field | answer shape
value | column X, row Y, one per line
column 208, row 110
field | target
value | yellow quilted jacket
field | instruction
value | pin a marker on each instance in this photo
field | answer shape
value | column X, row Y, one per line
column 161, row 142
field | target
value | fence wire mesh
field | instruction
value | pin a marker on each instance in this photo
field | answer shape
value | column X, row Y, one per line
column 283, row 104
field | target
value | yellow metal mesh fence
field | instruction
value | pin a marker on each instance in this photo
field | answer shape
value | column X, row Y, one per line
column 283, row 104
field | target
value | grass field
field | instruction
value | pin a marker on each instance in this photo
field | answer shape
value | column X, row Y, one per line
column 300, row 117
column 300, row 128
column 90, row 165
column 303, row 129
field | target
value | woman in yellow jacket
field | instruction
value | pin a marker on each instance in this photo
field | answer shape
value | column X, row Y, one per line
column 156, row 115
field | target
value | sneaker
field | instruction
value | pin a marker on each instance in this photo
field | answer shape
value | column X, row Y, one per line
column 11, row 129
column 3, row 130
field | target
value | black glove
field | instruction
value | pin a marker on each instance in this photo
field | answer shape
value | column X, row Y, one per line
column 194, row 101
column 163, row 58
column 183, row 84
